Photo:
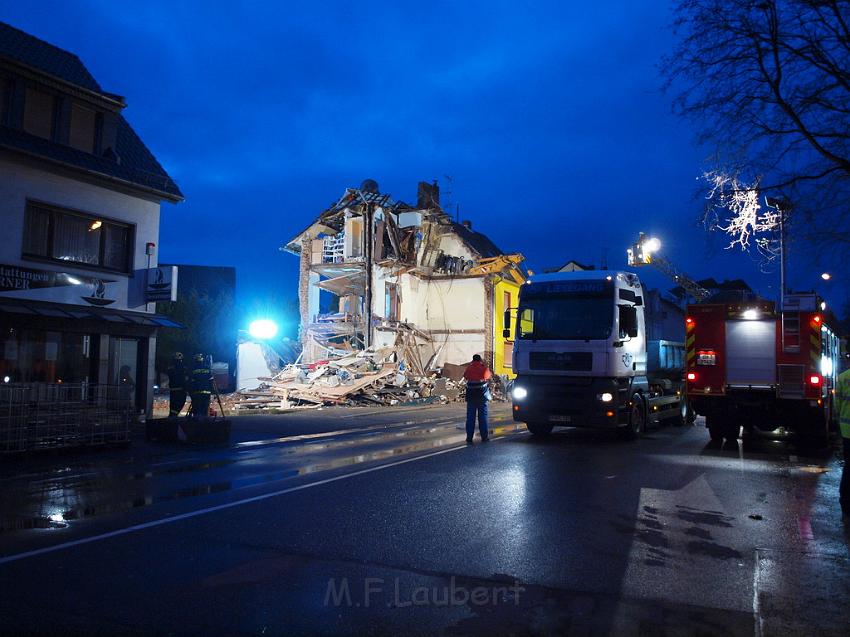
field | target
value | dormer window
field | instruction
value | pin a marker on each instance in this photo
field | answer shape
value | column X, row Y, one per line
column 5, row 98
column 83, row 128
column 39, row 113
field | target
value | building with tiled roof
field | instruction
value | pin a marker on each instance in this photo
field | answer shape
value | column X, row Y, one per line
column 80, row 198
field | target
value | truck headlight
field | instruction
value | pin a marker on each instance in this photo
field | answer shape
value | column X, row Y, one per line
column 606, row 397
column 519, row 393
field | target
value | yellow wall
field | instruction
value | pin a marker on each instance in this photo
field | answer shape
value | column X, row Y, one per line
column 499, row 359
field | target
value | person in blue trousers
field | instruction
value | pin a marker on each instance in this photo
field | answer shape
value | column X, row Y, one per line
column 477, row 398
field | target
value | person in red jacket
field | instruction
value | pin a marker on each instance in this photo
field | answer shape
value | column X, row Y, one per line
column 477, row 396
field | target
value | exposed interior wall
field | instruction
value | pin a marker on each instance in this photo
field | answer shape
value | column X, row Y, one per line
column 452, row 311
column 353, row 237
column 452, row 245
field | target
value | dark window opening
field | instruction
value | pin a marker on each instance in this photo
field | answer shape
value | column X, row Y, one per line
column 39, row 113
column 391, row 301
column 5, row 99
column 74, row 237
column 83, row 128
column 39, row 356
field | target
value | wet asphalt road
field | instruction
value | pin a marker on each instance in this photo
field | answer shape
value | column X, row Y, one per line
column 382, row 522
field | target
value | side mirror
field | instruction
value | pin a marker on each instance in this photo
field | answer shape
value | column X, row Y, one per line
column 506, row 333
column 507, row 322
column 628, row 321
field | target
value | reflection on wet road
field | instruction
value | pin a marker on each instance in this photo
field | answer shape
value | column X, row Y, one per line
column 668, row 534
column 86, row 488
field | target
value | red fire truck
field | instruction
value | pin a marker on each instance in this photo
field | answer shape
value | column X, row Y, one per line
column 749, row 365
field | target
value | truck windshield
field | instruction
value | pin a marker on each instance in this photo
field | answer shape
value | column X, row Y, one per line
column 573, row 310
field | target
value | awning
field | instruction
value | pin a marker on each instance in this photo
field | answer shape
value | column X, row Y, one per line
column 81, row 313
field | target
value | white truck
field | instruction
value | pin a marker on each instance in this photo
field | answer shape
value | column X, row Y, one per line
column 584, row 356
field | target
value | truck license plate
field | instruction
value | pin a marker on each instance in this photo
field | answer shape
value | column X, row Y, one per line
column 706, row 359
column 559, row 419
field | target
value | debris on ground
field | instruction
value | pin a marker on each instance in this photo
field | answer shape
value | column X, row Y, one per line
column 369, row 377
column 376, row 376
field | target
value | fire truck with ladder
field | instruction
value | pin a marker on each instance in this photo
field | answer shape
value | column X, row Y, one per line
column 750, row 364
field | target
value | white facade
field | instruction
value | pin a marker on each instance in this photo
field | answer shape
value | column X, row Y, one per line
column 80, row 198
column 20, row 183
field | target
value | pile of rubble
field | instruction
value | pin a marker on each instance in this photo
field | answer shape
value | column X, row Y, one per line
column 369, row 377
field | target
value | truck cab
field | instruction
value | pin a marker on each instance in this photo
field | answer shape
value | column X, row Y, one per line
column 580, row 354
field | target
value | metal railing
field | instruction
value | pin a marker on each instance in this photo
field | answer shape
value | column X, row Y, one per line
column 49, row 416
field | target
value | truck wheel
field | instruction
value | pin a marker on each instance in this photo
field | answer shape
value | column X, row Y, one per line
column 692, row 415
column 682, row 418
column 816, row 434
column 715, row 430
column 637, row 420
column 539, row 428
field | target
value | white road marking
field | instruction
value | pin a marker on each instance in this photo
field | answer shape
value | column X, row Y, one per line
column 683, row 542
column 757, row 623
column 220, row 507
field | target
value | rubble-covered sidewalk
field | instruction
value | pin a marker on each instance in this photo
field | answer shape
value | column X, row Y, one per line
column 377, row 376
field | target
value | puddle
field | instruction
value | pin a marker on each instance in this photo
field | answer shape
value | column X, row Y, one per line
column 54, row 494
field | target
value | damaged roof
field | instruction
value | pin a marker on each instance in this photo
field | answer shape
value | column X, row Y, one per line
column 134, row 164
column 480, row 243
column 328, row 221
column 331, row 217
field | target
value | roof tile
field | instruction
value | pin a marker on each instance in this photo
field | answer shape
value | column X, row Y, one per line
column 135, row 163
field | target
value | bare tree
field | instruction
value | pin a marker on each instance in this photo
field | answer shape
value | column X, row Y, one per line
column 768, row 82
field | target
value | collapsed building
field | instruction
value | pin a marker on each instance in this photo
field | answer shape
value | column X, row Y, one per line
column 378, row 273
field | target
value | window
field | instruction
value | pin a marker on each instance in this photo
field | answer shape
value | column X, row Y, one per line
column 391, row 301
column 83, row 128
column 5, row 98
column 39, row 112
column 35, row 356
column 75, row 237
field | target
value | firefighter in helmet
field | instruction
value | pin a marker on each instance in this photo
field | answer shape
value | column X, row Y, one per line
column 177, row 381
column 842, row 395
column 202, row 385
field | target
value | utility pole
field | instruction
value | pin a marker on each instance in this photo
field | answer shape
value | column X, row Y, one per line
column 783, row 207
column 368, row 232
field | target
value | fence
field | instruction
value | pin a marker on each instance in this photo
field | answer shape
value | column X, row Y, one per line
column 45, row 416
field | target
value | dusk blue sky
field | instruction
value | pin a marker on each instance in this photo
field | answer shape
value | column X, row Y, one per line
column 548, row 117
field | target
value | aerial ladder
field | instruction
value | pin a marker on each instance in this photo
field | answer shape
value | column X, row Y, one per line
column 644, row 252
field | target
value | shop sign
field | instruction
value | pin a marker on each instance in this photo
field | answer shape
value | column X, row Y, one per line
column 16, row 278
column 161, row 284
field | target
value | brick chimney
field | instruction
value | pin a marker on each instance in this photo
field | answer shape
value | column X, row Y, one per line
column 428, row 195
